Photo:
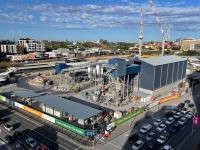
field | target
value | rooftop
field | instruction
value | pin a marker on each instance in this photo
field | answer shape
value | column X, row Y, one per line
column 25, row 94
column 73, row 108
column 162, row 60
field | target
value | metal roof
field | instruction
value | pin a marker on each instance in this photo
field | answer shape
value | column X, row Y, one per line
column 25, row 94
column 162, row 60
column 76, row 109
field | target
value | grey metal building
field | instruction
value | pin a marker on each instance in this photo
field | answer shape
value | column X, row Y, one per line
column 159, row 72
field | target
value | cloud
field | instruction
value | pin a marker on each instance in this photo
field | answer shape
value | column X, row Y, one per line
column 89, row 16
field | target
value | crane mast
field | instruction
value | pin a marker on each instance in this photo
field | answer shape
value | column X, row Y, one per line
column 164, row 34
column 141, row 36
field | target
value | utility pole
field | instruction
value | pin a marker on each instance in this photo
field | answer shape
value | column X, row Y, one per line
column 141, row 36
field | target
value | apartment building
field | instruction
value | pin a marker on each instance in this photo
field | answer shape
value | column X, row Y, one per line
column 31, row 45
column 8, row 47
column 186, row 43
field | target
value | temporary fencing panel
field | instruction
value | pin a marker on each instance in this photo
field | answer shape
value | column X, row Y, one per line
column 128, row 116
column 16, row 104
column 49, row 118
column 33, row 111
column 2, row 98
column 70, row 127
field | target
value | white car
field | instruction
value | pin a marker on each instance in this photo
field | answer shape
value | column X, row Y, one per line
column 167, row 147
column 8, row 127
column 162, row 139
column 177, row 115
column 161, row 127
column 189, row 114
column 170, row 120
column 31, row 142
column 157, row 122
column 182, row 121
column 145, row 128
column 138, row 145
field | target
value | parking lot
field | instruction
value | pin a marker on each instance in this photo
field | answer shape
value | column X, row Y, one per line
column 173, row 130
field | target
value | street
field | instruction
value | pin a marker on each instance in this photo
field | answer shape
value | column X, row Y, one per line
column 31, row 128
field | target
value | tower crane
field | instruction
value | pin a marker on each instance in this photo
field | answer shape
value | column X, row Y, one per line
column 163, row 30
column 141, row 36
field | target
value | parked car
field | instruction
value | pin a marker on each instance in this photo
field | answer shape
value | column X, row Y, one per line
column 189, row 114
column 163, row 138
column 157, row 122
column 184, row 110
column 181, row 105
column 174, row 128
column 170, row 120
column 182, row 121
column 150, row 136
column 146, row 128
column 167, row 147
column 137, row 145
column 187, row 101
column 41, row 147
column 18, row 135
column 31, row 142
column 152, row 145
column 177, row 115
column 9, row 139
column 161, row 127
column 8, row 127
column 133, row 138
column 169, row 114
column 190, row 105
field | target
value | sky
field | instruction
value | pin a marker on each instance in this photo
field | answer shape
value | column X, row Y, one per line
column 112, row 20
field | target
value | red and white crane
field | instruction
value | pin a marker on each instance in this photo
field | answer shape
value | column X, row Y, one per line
column 164, row 31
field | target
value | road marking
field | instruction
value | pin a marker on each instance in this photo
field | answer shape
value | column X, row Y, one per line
column 114, row 145
column 77, row 148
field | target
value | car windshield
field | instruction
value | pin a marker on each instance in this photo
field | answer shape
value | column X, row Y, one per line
column 137, row 144
column 32, row 141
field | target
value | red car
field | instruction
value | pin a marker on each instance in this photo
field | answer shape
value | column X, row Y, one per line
column 42, row 147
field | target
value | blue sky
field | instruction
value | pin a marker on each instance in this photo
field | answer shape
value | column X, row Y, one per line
column 113, row 20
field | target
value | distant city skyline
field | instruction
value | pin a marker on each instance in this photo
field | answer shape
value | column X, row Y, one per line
column 112, row 20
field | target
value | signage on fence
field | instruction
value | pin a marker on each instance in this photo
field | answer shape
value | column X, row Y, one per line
column 70, row 127
column 90, row 132
column 128, row 116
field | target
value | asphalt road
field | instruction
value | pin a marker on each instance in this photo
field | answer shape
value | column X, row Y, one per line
column 174, row 139
column 31, row 128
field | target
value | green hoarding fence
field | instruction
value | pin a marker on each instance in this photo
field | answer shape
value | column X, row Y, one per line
column 70, row 127
column 128, row 116
column 2, row 98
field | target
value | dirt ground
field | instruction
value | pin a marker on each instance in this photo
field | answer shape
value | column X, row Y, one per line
column 94, row 59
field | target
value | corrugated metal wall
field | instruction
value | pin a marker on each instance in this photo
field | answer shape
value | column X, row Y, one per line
column 164, row 74
column 147, row 76
column 157, row 81
column 170, row 73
